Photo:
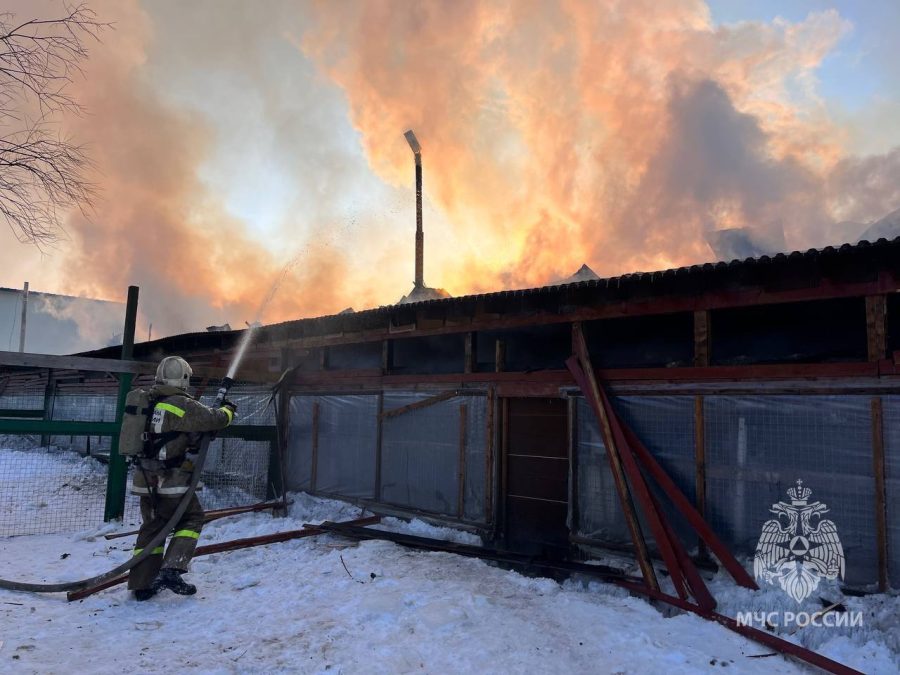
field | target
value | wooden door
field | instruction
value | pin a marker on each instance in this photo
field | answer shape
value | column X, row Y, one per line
column 536, row 454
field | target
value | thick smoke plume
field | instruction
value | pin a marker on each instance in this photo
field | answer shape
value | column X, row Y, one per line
column 618, row 134
column 158, row 226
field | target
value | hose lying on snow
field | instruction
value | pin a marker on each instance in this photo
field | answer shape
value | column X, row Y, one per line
column 158, row 540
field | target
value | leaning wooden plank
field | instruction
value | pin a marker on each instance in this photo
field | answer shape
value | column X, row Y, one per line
column 222, row 547
column 656, row 519
column 519, row 560
column 695, row 582
column 215, row 514
column 588, row 386
column 418, row 405
column 264, row 539
column 878, row 468
column 683, row 504
column 618, row 454
column 629, row 440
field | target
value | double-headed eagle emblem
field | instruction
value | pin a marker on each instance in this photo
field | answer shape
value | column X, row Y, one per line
column 798, row 548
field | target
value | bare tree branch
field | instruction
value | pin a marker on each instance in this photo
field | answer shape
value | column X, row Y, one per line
column 41, row 172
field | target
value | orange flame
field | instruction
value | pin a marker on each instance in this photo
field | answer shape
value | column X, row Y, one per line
column 614, row 133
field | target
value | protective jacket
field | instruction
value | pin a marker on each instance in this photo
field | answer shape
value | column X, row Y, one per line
column 178, row 420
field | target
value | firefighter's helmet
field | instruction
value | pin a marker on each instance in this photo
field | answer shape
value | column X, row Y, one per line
column 174, row 371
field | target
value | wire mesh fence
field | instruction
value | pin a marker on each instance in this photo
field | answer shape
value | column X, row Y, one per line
column 51, row 483
column 892, row 484
column 49, row 490
column 23, row 392
column 74, row 407
column 756, row 447
column 431, row 459
column 333, row 442
column 237, row 469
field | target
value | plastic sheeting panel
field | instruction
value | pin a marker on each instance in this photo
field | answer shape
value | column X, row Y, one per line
column 665, row 425
column 476, row 457
column 756, row 448
column 759, row 446
column 891, row 406
column 347, row 438
column 298, row 456
column 420, row 455
column 599, row 512
column 253, row 404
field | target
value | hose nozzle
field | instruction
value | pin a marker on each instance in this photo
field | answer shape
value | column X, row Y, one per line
column 227, row 383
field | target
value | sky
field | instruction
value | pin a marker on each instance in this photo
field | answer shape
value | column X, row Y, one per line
column 240, row 151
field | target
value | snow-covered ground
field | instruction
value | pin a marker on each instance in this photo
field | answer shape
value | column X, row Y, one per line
column 327, row 604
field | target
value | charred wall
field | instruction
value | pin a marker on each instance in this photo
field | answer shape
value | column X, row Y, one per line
column 812, row 332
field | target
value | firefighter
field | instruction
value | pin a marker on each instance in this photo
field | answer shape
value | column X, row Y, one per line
column 175, row 428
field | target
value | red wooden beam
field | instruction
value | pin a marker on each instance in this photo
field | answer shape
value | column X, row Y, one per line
column 561, row 378
column 635, row 479
column 670, row 548
column 616, row 464
column 215, row 514
column 418, row 405
column 759, row 295
column 692, row 576
column 683, row 504
column 773, row 641
column 224, row 546
column 684, row 574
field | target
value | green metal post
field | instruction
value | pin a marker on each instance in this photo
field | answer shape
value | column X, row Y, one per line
column 117, row 476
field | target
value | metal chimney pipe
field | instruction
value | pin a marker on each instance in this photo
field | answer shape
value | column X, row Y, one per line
column 420, row 235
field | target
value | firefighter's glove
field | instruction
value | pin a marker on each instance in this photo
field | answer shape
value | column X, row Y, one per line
column 230, row 408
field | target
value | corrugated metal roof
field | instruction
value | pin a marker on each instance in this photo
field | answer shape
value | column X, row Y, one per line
column 657, row 283
column 660, row 276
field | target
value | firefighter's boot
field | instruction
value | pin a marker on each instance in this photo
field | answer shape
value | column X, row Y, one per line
column 142, row 594
column 171, row 579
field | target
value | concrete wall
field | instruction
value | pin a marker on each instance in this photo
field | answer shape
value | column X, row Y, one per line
column 59, row 324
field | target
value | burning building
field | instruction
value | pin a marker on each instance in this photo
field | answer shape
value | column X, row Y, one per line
column 739, row 378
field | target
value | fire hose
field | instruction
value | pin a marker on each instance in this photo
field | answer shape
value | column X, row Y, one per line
column 158, row 540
